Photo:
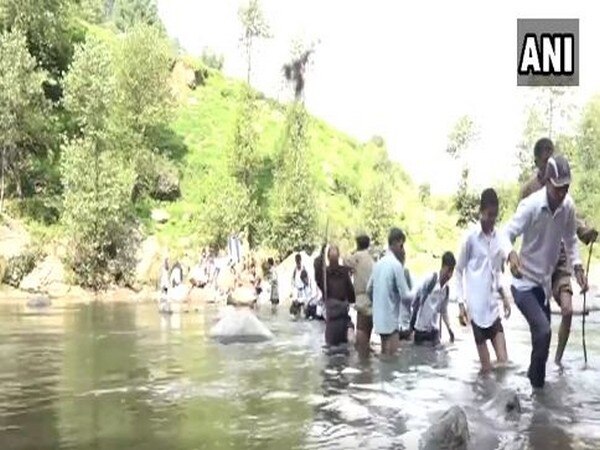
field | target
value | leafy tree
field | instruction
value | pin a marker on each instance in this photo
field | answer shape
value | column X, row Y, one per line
column 212, row 59
column 226, row 209
column 255, row 27
column 462, row 136
column 50, row 31
column 466, row 202
column 587, row 158
column 22, row 108
column 129, row 13
column 293, row 211
column 244, row 160
column 534, row 129
column 143, row 70
column 377, row 204
column 97, row 177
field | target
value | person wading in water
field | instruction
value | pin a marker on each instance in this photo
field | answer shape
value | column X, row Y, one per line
column 361, row 263
column 338, row 294
column 479, row 269
column 544, row 219
column 562, row 291
column 386, row 288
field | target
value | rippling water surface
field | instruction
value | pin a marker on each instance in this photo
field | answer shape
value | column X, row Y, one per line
column 108, row 376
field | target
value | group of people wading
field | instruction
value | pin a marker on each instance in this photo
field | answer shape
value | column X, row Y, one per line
column 387, row 304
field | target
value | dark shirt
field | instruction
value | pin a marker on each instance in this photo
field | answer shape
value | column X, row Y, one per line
column 339, row 283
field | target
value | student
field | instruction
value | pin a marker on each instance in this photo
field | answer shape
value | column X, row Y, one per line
column 386, row 287
column 544, row 219
column 297, row 282
column 361, row 263
column 478, row 269
column 303, row 295
column 272, row 277
column 562, row 291
column 431, row 301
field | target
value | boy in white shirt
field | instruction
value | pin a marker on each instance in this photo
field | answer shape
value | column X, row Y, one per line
column 478, row 272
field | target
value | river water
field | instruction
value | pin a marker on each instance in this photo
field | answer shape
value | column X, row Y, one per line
column 109, row 376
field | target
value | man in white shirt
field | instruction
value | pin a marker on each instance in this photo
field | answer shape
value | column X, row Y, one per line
column 543, row 219
column 479, row 268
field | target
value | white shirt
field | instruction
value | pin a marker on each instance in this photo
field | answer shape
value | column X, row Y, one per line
column 542, row 234
column 433, row 305
column 479, row 267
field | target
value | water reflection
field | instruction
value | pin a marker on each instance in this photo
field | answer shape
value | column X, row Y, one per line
column 122, row 376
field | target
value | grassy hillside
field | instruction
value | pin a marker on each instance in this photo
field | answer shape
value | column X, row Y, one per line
column 342, row 168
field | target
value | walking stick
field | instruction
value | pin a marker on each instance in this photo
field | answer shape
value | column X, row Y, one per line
column 587, row 271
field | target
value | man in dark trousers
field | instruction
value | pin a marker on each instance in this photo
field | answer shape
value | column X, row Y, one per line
column 544, row 220
column 561, row 277
column 338, row 293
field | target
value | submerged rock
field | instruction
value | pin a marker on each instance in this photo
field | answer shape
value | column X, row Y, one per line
column 39, row 302
column 505, row 404
column 449, row 432
column 239, row 325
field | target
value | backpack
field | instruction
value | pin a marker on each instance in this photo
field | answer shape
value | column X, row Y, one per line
column 421, row 296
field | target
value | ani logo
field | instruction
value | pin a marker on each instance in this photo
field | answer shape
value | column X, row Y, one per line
column 547, row 52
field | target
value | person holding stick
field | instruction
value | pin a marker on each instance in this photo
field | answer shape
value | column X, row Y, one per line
column 562, row 290
column 544, row 220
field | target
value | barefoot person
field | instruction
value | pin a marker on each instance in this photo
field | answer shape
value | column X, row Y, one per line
column 543, row 219
column 386, row 288
column 478, row 269
column 562, row 290
column 361, row 263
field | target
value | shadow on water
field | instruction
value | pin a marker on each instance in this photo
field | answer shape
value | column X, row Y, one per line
column 121, row 376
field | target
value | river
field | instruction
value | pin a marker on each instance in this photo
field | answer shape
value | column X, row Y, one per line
column 119, row 375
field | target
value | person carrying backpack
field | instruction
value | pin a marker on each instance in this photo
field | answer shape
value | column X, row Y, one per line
column 431, row 301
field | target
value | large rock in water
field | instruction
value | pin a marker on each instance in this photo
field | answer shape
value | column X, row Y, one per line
column 242, row 296
column 48, row 276
column 239, row 325
column 505, row 404
column 449, row 432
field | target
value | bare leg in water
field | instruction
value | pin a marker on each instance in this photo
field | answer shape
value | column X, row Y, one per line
column 499, row 344
column 566, row 309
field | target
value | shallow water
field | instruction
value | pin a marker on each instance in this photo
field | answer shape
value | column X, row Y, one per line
column 109, row 376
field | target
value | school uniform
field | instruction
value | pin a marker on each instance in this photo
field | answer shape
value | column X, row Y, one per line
column 477, row 275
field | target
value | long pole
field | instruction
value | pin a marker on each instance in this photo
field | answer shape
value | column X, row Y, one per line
column 324, row 260
column 587, row 272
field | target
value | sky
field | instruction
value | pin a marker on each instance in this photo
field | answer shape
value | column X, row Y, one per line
column 406, row 71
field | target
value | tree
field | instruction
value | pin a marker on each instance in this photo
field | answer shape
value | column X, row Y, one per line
column 226, row 209
column 293, row 211
column 143, row 70
column 145, row 101
column 587, row 179
column 129, row 13
column 465, row 201
column 546, row 117
column 244, row 160
column 50, row 33
column 22, row 108
column 255, row 27
column 462, row 136
column 97, row 176
column 534, row 129
column 377, row 204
